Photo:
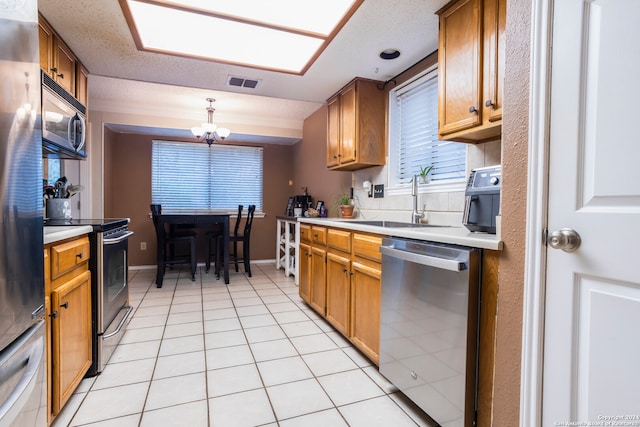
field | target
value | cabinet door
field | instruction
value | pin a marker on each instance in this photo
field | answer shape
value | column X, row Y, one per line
column 82, row 85
column 318, row 279
column 65, row 64
column 304, row 287
column 365, row 309
column 459, row 62
column 338, row 291
column 495, row 18
column 333, row 132
column 72, row 342
column 45, row 39
column 349, row 125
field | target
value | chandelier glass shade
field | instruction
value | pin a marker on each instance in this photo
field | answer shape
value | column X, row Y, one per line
column 208, row 131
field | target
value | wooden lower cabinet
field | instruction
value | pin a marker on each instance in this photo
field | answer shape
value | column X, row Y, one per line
column 365, row 309
column 69, row 320
column 338, row 291
column 318, row 285
column 71, row 336
column 340, row 278
column 305, row 272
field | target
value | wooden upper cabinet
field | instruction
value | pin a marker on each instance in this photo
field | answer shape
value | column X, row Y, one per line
column 60, row 63
column 82, row 85
column 471, row 70
column 356, row 126
column 45, row 40
column 65, row 63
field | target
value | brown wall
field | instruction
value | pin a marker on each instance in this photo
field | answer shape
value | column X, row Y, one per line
column 310, row 169
column 506, row 409
column 128, row 194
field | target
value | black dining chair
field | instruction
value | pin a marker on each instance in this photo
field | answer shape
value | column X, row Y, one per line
column 211, row 237
column 245, row 239
column 172, row 239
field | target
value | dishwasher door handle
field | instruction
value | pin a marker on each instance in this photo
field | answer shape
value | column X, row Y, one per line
column 431, row 261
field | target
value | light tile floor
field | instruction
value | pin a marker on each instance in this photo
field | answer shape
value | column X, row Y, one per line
column 248, row 354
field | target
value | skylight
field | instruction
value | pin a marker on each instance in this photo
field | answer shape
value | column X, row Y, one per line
column 279, row 35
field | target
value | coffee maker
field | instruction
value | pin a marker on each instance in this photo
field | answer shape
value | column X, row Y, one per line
column 482, row 199
column 298, row 205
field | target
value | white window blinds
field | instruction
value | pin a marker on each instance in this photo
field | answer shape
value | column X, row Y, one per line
column 414, row 135
column 196, row 176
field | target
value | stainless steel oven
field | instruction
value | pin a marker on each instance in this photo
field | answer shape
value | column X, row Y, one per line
column 111, row 296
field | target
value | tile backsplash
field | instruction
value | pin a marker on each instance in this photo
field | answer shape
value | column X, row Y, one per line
column 441, row 207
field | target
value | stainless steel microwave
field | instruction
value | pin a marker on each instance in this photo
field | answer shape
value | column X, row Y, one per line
column 64, row 126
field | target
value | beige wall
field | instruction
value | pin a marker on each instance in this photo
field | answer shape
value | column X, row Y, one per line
column 514, row 194
column 127, row 180
column 310, row 165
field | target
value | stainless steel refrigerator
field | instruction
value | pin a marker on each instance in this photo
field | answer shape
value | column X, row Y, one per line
column 22, row 328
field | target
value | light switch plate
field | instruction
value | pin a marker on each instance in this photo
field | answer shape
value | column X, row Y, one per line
column 378, row 191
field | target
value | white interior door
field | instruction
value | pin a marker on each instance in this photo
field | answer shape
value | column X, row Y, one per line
column 592, row 306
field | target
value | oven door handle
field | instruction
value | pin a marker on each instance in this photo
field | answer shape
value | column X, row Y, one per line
column 431, row 261
column 120, row 325
column 118, row 239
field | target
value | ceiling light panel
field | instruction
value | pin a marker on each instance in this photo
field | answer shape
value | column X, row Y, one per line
column 239, row 32
column 317, row 16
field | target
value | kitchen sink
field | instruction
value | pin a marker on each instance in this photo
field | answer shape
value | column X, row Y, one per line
column 396, row 224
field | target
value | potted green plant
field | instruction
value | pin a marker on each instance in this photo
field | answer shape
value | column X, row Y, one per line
column 423, row 175
column 344, row 203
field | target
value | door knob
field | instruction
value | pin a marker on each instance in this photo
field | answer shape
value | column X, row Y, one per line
column 566, row 239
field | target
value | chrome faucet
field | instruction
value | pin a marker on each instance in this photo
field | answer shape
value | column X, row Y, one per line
column 415, row 215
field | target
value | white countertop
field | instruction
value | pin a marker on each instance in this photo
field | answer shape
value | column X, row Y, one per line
column 54, row 234
column 452, row 235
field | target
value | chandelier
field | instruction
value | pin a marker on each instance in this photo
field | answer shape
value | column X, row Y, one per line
column 208, row 131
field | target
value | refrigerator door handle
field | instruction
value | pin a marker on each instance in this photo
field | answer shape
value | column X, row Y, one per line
column 31, row 364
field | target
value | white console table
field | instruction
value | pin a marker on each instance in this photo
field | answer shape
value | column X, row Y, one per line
column 287, row 240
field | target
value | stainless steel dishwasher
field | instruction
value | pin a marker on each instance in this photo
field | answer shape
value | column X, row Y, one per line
column 429, row 326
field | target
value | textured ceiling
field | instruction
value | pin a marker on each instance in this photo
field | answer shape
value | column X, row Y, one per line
column 97, row 33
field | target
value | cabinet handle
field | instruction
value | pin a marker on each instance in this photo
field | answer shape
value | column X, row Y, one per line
column 65, row 305
column 54, row 69
column 344, row 270
column 335, row 157
column 54, row 314
column 473, row 109
column 61, row 75
column 489, row 103
column 79, row 255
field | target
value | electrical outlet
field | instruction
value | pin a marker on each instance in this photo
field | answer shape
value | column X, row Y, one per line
column 143, row 246
column 378, row 191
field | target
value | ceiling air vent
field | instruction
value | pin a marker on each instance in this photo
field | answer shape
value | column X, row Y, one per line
column 242, row 82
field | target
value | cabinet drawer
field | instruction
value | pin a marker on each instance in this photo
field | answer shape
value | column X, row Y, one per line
column 319, row 235
column 367, row 246
column 66, row 256
column 339, row 239
column 305, row 233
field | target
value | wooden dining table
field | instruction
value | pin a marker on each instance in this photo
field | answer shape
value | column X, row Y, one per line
column 197, row 219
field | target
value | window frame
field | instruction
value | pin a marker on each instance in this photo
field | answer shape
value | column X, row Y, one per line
column 394, row 185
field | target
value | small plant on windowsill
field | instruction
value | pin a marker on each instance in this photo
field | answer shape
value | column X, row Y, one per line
column 343, row 201
column 423, row 176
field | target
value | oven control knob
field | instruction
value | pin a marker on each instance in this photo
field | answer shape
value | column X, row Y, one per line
column 494, row 180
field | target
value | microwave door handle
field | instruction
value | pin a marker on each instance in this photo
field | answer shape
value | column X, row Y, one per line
column 71, row 128
column 83, row 133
